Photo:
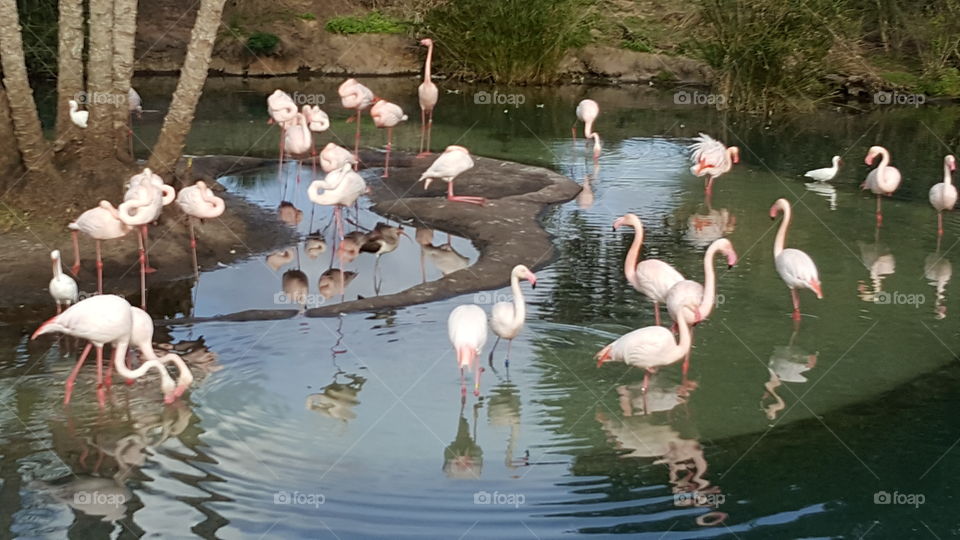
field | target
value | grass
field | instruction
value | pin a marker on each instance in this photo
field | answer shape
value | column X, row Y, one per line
column 262, row 43
column 371, row 23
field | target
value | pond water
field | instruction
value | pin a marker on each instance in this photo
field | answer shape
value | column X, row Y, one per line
column 353, row 427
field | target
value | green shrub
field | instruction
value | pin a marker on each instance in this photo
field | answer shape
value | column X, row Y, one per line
column 307, row 16
column 637, row 44
column 371, row 23
column 262, row 43
column 944, row 83
column 510, row 41
column 901, row 78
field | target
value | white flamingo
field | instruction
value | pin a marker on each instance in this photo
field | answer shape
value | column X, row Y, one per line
column 199, row 202
column 333, row 157
column 943, row 196
column 795, row 267
column 507, row 318
column 883, row 180
column 587, row 112
column 100, row 223
column 387, row 115
column 648, row 348
column 467, row 328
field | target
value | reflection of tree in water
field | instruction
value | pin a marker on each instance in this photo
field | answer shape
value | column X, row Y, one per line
column 463, row 458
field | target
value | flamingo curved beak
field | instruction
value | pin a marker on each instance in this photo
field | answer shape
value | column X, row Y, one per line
column 617, row 223
column 532, row 279
column 815, row 287
column 731, row 260
column 603, row 355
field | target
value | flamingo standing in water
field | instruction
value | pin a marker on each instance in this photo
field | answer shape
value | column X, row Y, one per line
column 652, row 278
column 62, row 287
column 354, row 95
column 333, row 157
column 100, row 223
column 339, row 188
column 100, row 319
column 943, row 196
column 467, row 328
column 142, row 204
column 694, row 302
column 587, row 112
column 282, row 110
column 141, row 337
column 711, row 159
column 428, row 94
column 883, row 180
column 795, row 267
column 387, row 115
column 453, row 162
column 648, row 348
column 506, row 318
column 199, row 202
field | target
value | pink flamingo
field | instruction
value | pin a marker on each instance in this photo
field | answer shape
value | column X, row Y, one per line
column 652, row 278
column 467, row 328
column 943, row 196
column 282, row 109
column 795, row 267
column 142, row 204
column 712, row 159
column 387, row 115
column 141, row 337
column 100, row 319
column 62, row 287
column 100, row 223
column 883, row 180
column 339, row 188
column 354, row 95
column 199, row 202
column 451, row 163
column 648, row 348
column 317, row 122
column 333, row 157
column 428, row 94
column 507, row 318
column 587, row 112
column 694, row 302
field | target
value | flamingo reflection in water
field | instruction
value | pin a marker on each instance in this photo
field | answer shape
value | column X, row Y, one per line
column 788, row 363
column 463, row 458
column 938, row 270
column 585, row 197
column 878, row 259
column 444, row 257
column 705, row 228
column 503, row 410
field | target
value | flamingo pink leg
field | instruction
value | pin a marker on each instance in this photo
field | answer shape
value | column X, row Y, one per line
column 939, row 223
column 796, row 304
column 386, row 164
column 356, row 144
column 656, row 312
column 143, row 275
column 146, row 246
column 283, row 184
column 429, row 131
column 463, row 384
column 73, row 374
column 463, row 198
column 99, row 270
column 75, row 269
column 423, row 130
column 193, row 247
column 101, row 393
column 879, row 213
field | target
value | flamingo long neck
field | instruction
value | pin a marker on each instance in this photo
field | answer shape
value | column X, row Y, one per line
column 519, row 305
column 588, row 129
column 215, row 202
column 57, row 269
column 426, row 67
column 782, row 233
column 709, row 283
column 882, row 167
column 836, row 164
column 947, row 177
column 630, row 264
column 683, row 344
column 596, row 143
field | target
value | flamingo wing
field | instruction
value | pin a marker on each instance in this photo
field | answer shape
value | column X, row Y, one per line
column 449, row 165
column 645, row 347
column 655, row 278
column 797, row 269
column 708, row 153
column 467, row 327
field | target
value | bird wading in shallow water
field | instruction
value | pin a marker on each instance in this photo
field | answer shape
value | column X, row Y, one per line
column 795, row 267
column 507, row 318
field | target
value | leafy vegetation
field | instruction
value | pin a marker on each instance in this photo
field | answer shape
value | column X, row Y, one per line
column 262, row 43
column 371, row 23
column 508, row 41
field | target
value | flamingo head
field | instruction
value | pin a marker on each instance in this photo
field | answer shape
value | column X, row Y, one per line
column 837, row 161
column 734, row 152
column 726, row 247
column 426, row 42
column 626, row 219
column 522, row 272
column 815, row 287
column 951, row 162
column 873, row 153
column 778, row 207
column 604, row 355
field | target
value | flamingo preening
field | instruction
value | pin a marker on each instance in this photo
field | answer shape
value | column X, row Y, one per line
column 317, row 122
column 452, row 162
column 795, row 267
column 100, row 223
column 883, row 180
column 467, row 328
column 142, row 204
column 100, row 319
column 282, row 109
column 198, row 202
column 507, row 318
column 354, row 95
column 62, row 287
column 694, row 302
column 652, row 278
column 428, row 94
column 333, row 157
column 943, row 195
column 711, row 159
column 648, row 348
column 587, row 112
column 827, row 173
column 387, row 115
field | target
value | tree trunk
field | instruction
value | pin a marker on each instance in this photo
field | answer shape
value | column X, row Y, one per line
column 124, row 33
column 98, row 142
column 34, row 149
column 70, row 65
column 11, row 167
column 176, row 125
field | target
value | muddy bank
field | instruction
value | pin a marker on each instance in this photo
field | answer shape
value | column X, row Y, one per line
column 243, row 231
